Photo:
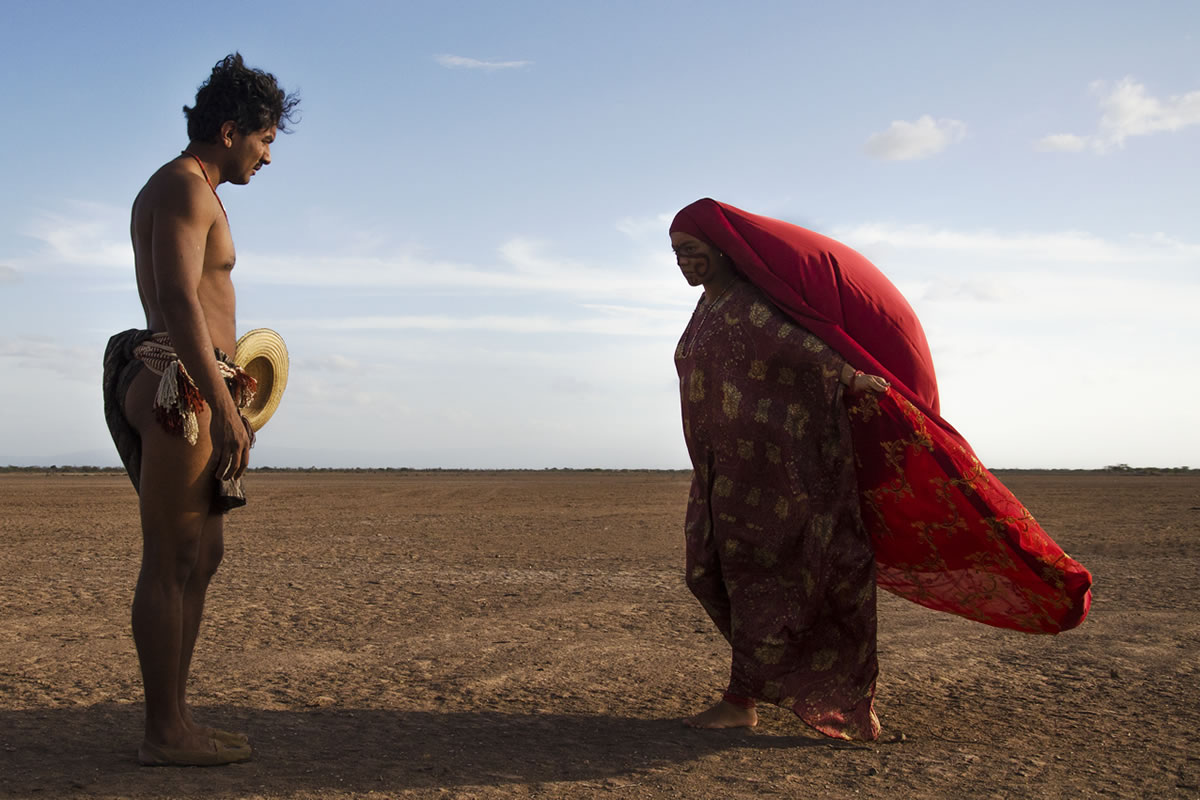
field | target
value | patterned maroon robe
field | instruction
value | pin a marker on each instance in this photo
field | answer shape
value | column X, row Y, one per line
column 776, row 549
column 946, row 532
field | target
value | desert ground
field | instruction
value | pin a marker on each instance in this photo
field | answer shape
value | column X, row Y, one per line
column 529, row 634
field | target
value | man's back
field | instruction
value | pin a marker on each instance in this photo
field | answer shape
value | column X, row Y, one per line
column 183, row 249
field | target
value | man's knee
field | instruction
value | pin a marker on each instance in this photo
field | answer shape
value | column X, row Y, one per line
column 173, row 555
column 209, row 556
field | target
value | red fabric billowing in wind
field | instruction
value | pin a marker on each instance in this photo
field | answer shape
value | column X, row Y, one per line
column 828, row 288
column 947, row 533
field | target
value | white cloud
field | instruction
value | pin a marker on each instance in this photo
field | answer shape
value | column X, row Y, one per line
column 332, row 362
column 637, row 323
column 462, row 62
column 73, row 362
column 906, row 141
column 1128, row 111
column 646, row 228
column 1080, row 251
column 83, row 237
column 1042, row 338
column 1062, row 142
column 524, row 267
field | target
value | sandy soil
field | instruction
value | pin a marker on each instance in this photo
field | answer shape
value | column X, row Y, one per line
column 529, row 635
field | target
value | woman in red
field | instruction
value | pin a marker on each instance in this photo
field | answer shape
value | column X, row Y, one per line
column 814, row 481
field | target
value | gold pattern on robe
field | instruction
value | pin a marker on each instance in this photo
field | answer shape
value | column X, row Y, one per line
column 731, row 399
column 745, row 449
column 759, row 314
column 758, row 370
column 696, row 386
column 770, row 651
column 823, row 659
column 765, row 558
column 822, row 525
column 810, row 582
column 781, row 508
column 797, row 419
column 764, row 408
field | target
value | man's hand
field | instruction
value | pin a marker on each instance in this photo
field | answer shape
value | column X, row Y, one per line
column 231, row 442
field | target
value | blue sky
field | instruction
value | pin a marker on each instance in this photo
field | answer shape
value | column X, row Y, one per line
column 464, row 241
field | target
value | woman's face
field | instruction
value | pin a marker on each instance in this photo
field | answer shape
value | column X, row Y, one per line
column 699, row 261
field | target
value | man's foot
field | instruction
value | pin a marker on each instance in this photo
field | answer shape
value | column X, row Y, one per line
column 231, row 738
column 225, row 737
column 214, row 753
column 724, row 715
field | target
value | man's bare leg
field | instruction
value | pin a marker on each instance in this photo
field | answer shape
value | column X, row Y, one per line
column 175, row 501
column 724, row 715
column 210, row 553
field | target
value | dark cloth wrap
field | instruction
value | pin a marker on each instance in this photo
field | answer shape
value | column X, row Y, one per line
column 120, row 369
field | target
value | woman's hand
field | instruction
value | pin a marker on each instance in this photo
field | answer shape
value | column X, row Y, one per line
column 859, row 381
column 865, row 382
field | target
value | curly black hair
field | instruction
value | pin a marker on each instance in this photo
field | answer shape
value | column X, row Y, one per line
column 249, row 97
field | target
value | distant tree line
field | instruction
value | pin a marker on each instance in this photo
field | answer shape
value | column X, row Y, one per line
column 354, row 470
column 1117, row 469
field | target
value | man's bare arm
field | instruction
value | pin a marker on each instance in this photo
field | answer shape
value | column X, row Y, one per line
column 181, row 225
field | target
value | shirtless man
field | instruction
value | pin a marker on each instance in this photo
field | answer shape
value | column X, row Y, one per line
column 184, row 454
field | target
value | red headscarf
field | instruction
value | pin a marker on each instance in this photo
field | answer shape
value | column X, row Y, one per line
column 947, row 533
column 830, row 289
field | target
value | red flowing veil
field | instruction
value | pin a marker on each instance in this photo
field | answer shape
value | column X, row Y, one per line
column 947, row 533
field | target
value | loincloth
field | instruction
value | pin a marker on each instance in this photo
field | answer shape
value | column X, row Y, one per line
column 176, row 404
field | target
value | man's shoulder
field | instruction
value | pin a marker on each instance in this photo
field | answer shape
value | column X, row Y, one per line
column 177, row 186
column 176, row 176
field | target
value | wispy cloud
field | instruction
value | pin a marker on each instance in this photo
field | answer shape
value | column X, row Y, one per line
column 332, row 362
column 646, row 228
column 522, row 265
column 908, row 141
column 1127, row 110
column 462, row 62
column 84, row 236
column 88, row 234
column 1084, row 250
column 1062, row 143
column 624, row 324
column 76, row 363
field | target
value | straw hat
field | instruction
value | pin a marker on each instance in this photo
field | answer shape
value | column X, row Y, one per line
column 263, row 355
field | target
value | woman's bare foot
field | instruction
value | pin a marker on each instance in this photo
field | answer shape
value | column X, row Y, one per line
column 724, row 715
